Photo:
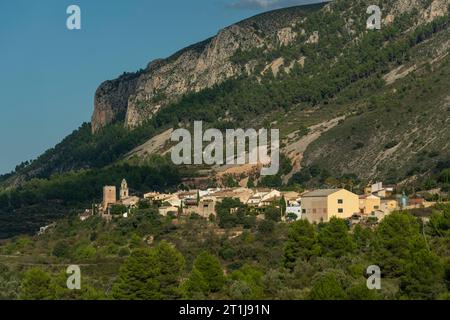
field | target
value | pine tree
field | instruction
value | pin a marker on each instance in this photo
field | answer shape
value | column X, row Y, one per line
column 334, row 238
column 36, row 285
column 424, row 276
column 138, row 277
column 196, row 286
column 398, row 237
column 327, row 287
column 283, row 206
column 301, row 243
column 211, row 271
column 150, row 274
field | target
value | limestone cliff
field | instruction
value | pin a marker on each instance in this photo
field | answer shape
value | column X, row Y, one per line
column 284, row 60
column 138, row 96
column 135, row 97
column 111, row 99
column 194, row 69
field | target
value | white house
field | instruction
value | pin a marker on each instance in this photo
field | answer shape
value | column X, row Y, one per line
column 294, row 207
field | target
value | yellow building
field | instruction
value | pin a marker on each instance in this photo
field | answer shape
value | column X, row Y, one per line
column 387, row 206
column 369, row 204
column 321, row 205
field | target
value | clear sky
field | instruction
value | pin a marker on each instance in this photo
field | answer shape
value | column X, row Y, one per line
column 49, row 74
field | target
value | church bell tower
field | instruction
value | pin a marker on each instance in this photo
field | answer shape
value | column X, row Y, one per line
column 124, row 193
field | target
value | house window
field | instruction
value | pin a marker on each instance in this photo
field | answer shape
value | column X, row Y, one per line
column 340, row 201
column 314, row 210
column 376, row 207
column 340, row 210
column 303, row 210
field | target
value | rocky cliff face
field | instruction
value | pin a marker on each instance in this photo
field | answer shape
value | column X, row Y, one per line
column 111, row 99
column 193, row 69
column 196, row 68
column 135, row 97
column 201, row 66
column 297, row 46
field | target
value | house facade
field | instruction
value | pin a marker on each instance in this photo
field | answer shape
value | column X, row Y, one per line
column 369, row 204
column 294, row 207
column 321, row 205
column 389, row 205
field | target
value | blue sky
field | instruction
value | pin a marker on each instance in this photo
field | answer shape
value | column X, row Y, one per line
column 48, row 74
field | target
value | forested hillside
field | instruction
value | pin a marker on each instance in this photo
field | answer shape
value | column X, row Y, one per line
column 354, row 106
column 148, row 256
column 329, row 65
column 293, row 69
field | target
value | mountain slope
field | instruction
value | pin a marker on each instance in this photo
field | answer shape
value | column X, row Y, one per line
column 241, row 48
column 289, row 61
column 200, row 66
column 401, row 130
column 348, row 101
column 293, row 60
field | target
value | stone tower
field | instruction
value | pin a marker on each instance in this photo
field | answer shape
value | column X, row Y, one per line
column 109, row 196
column 124, row 193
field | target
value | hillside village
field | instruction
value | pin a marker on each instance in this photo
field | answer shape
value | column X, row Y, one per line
column 316, row 206
column 364, row 181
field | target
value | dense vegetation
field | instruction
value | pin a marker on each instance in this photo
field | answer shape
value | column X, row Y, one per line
column 148, row 256
column 236, row 255
column 41, row 201
column 236, row 102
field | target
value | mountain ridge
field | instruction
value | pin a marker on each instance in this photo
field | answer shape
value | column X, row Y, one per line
column 212, row 65
column 299, row 75
column 136, row 98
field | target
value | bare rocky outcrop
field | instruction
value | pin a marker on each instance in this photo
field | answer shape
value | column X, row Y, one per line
column 437, row 8
column 111, row 100
column 193, row 70
column 314, row 38
column 286, row 36
column 137, row 97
